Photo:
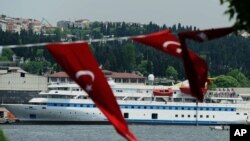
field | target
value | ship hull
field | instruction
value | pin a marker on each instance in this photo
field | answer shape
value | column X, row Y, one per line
column 144, row 113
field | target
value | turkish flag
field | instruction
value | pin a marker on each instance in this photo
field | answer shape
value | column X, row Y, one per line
column 168, row 43
column 206, row 35
column 163, row 40
column 79, row 63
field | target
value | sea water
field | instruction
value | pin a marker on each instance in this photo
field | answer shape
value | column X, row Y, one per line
column 108, row 133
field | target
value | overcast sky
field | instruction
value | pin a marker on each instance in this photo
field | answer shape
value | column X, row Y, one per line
column 200, row 13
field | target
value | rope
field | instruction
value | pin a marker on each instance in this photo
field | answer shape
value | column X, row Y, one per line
column 80, row 41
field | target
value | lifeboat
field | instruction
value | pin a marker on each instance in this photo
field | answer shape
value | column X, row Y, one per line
column 163, row 92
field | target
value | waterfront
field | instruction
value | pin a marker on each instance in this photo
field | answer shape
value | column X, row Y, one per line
column 107, row 133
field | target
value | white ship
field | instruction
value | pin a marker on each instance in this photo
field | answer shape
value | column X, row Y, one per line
column 138, row 103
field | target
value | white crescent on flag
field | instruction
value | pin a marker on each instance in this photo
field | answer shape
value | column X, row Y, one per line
column 85, row 72
column 167, row 43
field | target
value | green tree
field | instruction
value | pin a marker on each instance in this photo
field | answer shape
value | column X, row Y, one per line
column 240, row 10
column 171, row 73
column 226, row 81
column 239, row 76
column 7, row 53
column 129, row 56
column 142, row 67
column 37, row 67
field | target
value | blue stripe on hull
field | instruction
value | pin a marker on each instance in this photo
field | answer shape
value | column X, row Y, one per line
column 174, row 122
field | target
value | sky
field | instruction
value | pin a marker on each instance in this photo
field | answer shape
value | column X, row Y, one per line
column 200, row 13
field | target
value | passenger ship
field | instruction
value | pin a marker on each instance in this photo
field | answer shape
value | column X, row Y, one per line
column 145, row 104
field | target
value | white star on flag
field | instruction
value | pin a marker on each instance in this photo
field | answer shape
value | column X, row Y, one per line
column 88, row 88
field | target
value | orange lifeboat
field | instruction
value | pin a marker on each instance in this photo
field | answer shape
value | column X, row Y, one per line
column 163, row 92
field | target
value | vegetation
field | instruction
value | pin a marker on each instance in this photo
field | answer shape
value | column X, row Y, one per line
column 2, row 137
column 171, row 73
column 239, row 10
column 222, row 55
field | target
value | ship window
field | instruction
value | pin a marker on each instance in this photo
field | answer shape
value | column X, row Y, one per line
column 154, row 116
column 201, row 116
column 151, row 107
column 207, row 116
column 145, row 107
column 170, row 108
column 245, row 113
column 195, row 108
column 208, row 109
column 126, row 115
column 232, row 109
column 189, row 116
column 219, row 109
column 176, row 115
column 213, row 116
column 182, row 115
column 195, row 116
column 182, row 108
column 22, row 74
column 213, row 109
column 225, row 109
column 188, row 108
column 176, row 108
column 126, row 106
column 132, row 107
column 43, row 107
column 32, row 116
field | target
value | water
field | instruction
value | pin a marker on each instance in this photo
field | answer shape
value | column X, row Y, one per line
column 107, row 133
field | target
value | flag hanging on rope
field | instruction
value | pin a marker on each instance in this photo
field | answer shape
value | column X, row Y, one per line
column 79, row 63
column 195, row 74
column 168, row 43
column 206, row 35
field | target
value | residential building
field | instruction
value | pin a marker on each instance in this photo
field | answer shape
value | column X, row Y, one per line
column 118, row 77
column 3, row 25
column 64, row 24
column 83, row 23
column 59, row 77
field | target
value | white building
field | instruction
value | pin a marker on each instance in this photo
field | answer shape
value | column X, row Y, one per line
column 83, row 23
column 64, row 24
column 3, row 25
column 16, row 79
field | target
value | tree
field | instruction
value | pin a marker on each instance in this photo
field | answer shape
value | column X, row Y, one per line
column 37, row 67
column 239, row 76
column 171, row 72
column 240, row 10
column 7, row 53
column 129, row 56
column 226, row 81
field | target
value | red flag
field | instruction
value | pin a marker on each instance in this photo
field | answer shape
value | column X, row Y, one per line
column 168, row 43
column 162, row 40
column 79, row 63
column 206, row 35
